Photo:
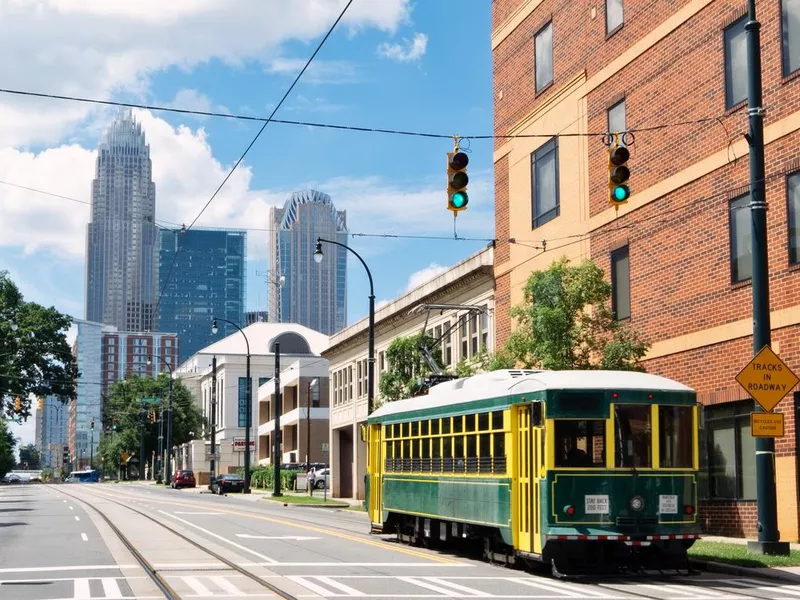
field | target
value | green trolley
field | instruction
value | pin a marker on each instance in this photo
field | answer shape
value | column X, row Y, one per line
column 578, row 469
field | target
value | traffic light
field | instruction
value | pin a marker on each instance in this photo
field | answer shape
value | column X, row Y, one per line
column 618, row 174
column 457, row 180
column 17, row 404
column 114, row 423
column 40, row 405
column 91, row 425
column 152, row 416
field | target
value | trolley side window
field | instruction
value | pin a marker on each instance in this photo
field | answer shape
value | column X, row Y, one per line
column 633, row 436
column 675, row 437
column 580, row 443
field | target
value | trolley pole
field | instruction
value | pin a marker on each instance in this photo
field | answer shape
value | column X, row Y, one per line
column 767, row 527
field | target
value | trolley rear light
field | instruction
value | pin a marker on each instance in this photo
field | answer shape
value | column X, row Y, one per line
column 689, row 510
column 569, row 509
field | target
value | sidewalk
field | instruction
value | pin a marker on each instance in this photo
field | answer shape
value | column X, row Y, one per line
column 779, row 573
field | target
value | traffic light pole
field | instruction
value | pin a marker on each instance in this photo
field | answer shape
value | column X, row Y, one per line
column 141, row 442
column 276, row 431
column 213, row 418
column 767, row 527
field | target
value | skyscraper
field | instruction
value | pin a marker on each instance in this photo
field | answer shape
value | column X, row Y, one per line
column 206, row 280
column 301, row 291
column 121, row 253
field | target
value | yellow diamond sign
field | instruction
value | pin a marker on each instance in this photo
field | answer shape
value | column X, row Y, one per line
column 767, row 379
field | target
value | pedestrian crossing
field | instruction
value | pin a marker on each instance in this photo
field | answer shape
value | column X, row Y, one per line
column 234, row 585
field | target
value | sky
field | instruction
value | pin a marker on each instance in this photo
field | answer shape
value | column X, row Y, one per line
column 392, row 64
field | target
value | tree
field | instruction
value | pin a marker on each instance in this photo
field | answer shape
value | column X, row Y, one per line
column 124, row 403
column 565, row 322
column 29, row 457
column 35, row 358
column 7, row 444
column 406, row 363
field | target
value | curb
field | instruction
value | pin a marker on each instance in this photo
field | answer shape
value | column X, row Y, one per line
column 758, row 573
column 307, row 505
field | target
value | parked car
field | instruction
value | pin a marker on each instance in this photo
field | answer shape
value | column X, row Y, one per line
column 229, row 482
column 183, row 479
column 322, row 479
column 12, row 478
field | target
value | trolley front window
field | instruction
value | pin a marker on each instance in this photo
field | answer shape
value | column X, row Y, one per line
column 580, row 443
column 675, row 437
column 633, row 436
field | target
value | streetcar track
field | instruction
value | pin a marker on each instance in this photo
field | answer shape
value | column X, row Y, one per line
column 151, row 571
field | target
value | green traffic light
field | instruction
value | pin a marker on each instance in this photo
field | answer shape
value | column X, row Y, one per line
column 621, row 192
column 459, row 199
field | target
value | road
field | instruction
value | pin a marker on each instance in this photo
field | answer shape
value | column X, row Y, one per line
column 55, row 545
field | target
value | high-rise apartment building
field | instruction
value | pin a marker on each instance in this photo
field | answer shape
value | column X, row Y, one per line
column 51, row 431
column 678, row 254
column 300, row 290
column 121, row 250
column 201, row 276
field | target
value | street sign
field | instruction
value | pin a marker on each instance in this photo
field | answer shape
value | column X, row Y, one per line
column 150, row 400
column 325, row 448
column 238, row 444
column 767, row 379
column 766, row 424
column 214, row 456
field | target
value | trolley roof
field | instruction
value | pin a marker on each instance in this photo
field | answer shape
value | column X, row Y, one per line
column 507, row 382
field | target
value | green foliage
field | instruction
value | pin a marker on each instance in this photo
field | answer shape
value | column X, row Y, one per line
column 263, row 476
column 565, row 322
column 406, row 363
column 29, row 457
column 47, row 474
column 7, row 445
column 124, row 403
column 36, row 358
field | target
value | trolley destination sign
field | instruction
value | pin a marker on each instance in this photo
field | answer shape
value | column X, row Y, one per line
column 767, row 379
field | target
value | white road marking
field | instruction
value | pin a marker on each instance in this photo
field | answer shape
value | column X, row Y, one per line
column 81, row 589
column 197, row 587
column 317, row 589
column 219, row 537
column 462, row 588
column 198, row 512
column 77, row 518
column 111, row 588
column 72, row 508
column 299, row 538
column 227, row 585
column 339, row 586
column 429, row 586
column 353, row 564
column 84, row 537
column 68, row 568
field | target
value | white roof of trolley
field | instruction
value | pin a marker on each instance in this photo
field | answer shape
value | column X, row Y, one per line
column 506, row 382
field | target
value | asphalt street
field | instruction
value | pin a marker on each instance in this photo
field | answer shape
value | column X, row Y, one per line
column 310, row 552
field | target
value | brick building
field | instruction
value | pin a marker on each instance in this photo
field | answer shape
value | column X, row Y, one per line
column 678, row 253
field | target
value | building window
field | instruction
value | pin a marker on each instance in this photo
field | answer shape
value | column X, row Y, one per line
column 793, row 199
column 735, row 63
column 621, row 284
column 543, row 57
column 730, row 466
column 790, row 28
column 544, row 183
column 741, row 243
column 464, row 335
column 447, row 344
column 242, row 401
column 613, row 15
column 616, row 118
column 485, row 327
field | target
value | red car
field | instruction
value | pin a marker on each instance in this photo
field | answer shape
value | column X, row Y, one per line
column 183, row 479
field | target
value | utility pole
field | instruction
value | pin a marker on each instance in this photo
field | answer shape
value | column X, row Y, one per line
column 768, row 534
column 142, row 459
column 213, row 417
column 160, row 471
column 276, row 432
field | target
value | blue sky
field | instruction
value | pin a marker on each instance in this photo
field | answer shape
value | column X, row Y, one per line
column 395, row 64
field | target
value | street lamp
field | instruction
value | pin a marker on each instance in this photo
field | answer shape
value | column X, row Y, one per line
column 318, row 256
column 249, row 403
column 311, row 384
column 168, row 469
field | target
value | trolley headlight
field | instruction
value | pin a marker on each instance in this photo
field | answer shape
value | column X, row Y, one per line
column 637, row 503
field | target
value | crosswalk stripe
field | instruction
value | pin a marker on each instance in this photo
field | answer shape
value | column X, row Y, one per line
column 568, row 593
column 227, row 585
column 317, row 589
column 466, row 590
column 427, row 585
column 199, row 588
column 339, row 586
column 111, row 589
column 81, row 589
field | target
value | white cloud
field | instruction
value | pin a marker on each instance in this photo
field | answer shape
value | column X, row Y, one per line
column 319, row 71
column 424, row 275
column 188, row 99
column 408, row 51
column 93, row 47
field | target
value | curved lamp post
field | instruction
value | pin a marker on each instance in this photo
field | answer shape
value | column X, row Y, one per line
column 249, row 402
column 168, row 469
column 318, row 256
